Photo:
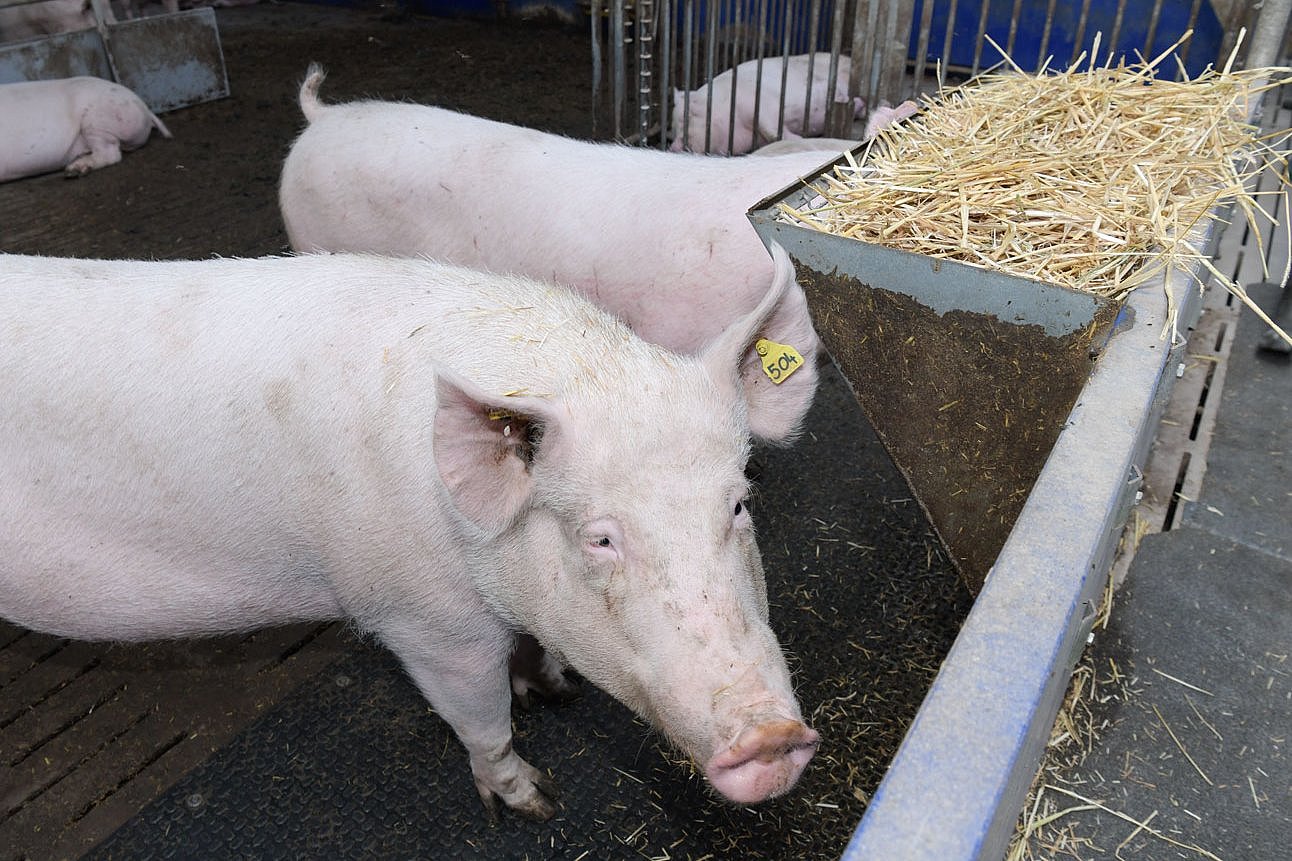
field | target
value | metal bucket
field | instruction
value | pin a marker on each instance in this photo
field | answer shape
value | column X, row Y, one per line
column 966, row 375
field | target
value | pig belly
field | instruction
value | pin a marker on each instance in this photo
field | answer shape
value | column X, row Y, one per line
column 147, row 488
column 104, row 555
column 40, row 151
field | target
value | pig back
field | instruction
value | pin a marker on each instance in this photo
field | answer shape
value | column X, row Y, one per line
column 658, row 239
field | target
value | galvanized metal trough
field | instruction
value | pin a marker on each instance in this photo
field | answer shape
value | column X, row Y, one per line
column 170, row 61
column 1020, row 414
column 967, row 375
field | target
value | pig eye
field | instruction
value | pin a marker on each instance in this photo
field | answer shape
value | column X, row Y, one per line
column 602, row 539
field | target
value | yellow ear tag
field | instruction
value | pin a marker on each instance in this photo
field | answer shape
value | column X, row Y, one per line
column 779, row 360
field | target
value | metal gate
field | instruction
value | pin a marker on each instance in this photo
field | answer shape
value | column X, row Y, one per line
column 782, row 56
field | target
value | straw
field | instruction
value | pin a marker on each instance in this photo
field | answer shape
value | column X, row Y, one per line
column 1099, row 178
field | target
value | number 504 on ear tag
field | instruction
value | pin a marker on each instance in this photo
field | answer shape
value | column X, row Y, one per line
column 779, row 360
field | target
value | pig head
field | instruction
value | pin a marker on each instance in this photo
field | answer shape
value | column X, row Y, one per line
column 637, row 563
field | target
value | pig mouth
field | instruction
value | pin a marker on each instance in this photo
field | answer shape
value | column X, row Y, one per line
column 764, row 761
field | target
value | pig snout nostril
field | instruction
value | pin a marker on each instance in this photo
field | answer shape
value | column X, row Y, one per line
column 785, row 740
column 765, row 761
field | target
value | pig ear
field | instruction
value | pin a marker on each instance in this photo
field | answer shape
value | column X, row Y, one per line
column 484, row 447
column 776, row 409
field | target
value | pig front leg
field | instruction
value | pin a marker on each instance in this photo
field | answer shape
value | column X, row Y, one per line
column 104, row 150
column 464, row 677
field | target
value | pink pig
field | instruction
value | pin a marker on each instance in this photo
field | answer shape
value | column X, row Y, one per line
column 658, row 239
column 690, row 109
column 443, row 456
column 47, row 18
column 73, row 124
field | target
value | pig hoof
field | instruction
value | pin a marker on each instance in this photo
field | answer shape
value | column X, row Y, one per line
column 537, row 804
column 529, row 792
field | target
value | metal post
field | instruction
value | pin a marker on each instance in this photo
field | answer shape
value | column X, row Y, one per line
column 643, row 27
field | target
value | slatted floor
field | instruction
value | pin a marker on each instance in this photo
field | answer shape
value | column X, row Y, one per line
column 91, row 731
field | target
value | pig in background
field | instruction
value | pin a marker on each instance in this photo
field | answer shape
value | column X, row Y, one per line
column 728, row 137
column 658, row 239
column 50, row 17
column 71, row 124
column 880, row 118
column 47, row 18
column 443, row 456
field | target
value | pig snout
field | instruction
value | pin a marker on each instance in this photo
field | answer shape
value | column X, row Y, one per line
column 763, row 762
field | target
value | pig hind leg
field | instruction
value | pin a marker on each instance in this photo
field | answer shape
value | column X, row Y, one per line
column 536, row 674
column 466, row 683
column 104, row 150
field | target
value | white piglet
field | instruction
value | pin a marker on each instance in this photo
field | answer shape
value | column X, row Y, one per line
column 47, row 18
column 71, row 124
column 658, row 239
column 443, row 456
column 738, row 132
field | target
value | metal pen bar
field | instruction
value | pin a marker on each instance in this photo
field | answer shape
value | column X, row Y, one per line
column 1115, row 37
column 1150, row 35
column 619, row 74
column 946, row 44
column 665, row 69
column 758, row 65
column 922, row 47
column 1082, row 20
column 1184, row 49
column 978, row 39
column 735, row 79
column 644, row 27
column 814, row 24
column 710, row 47
column 838, row 118
column 864, row 26
column 597, row 72
column 785, row 67
column 688, row 70
column 1042, row 56
column 897, row 35
column 1014, row 15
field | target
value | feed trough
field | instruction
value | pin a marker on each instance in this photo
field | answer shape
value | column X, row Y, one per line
column 170, row 61
column 967, row 375
column 986, row 718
